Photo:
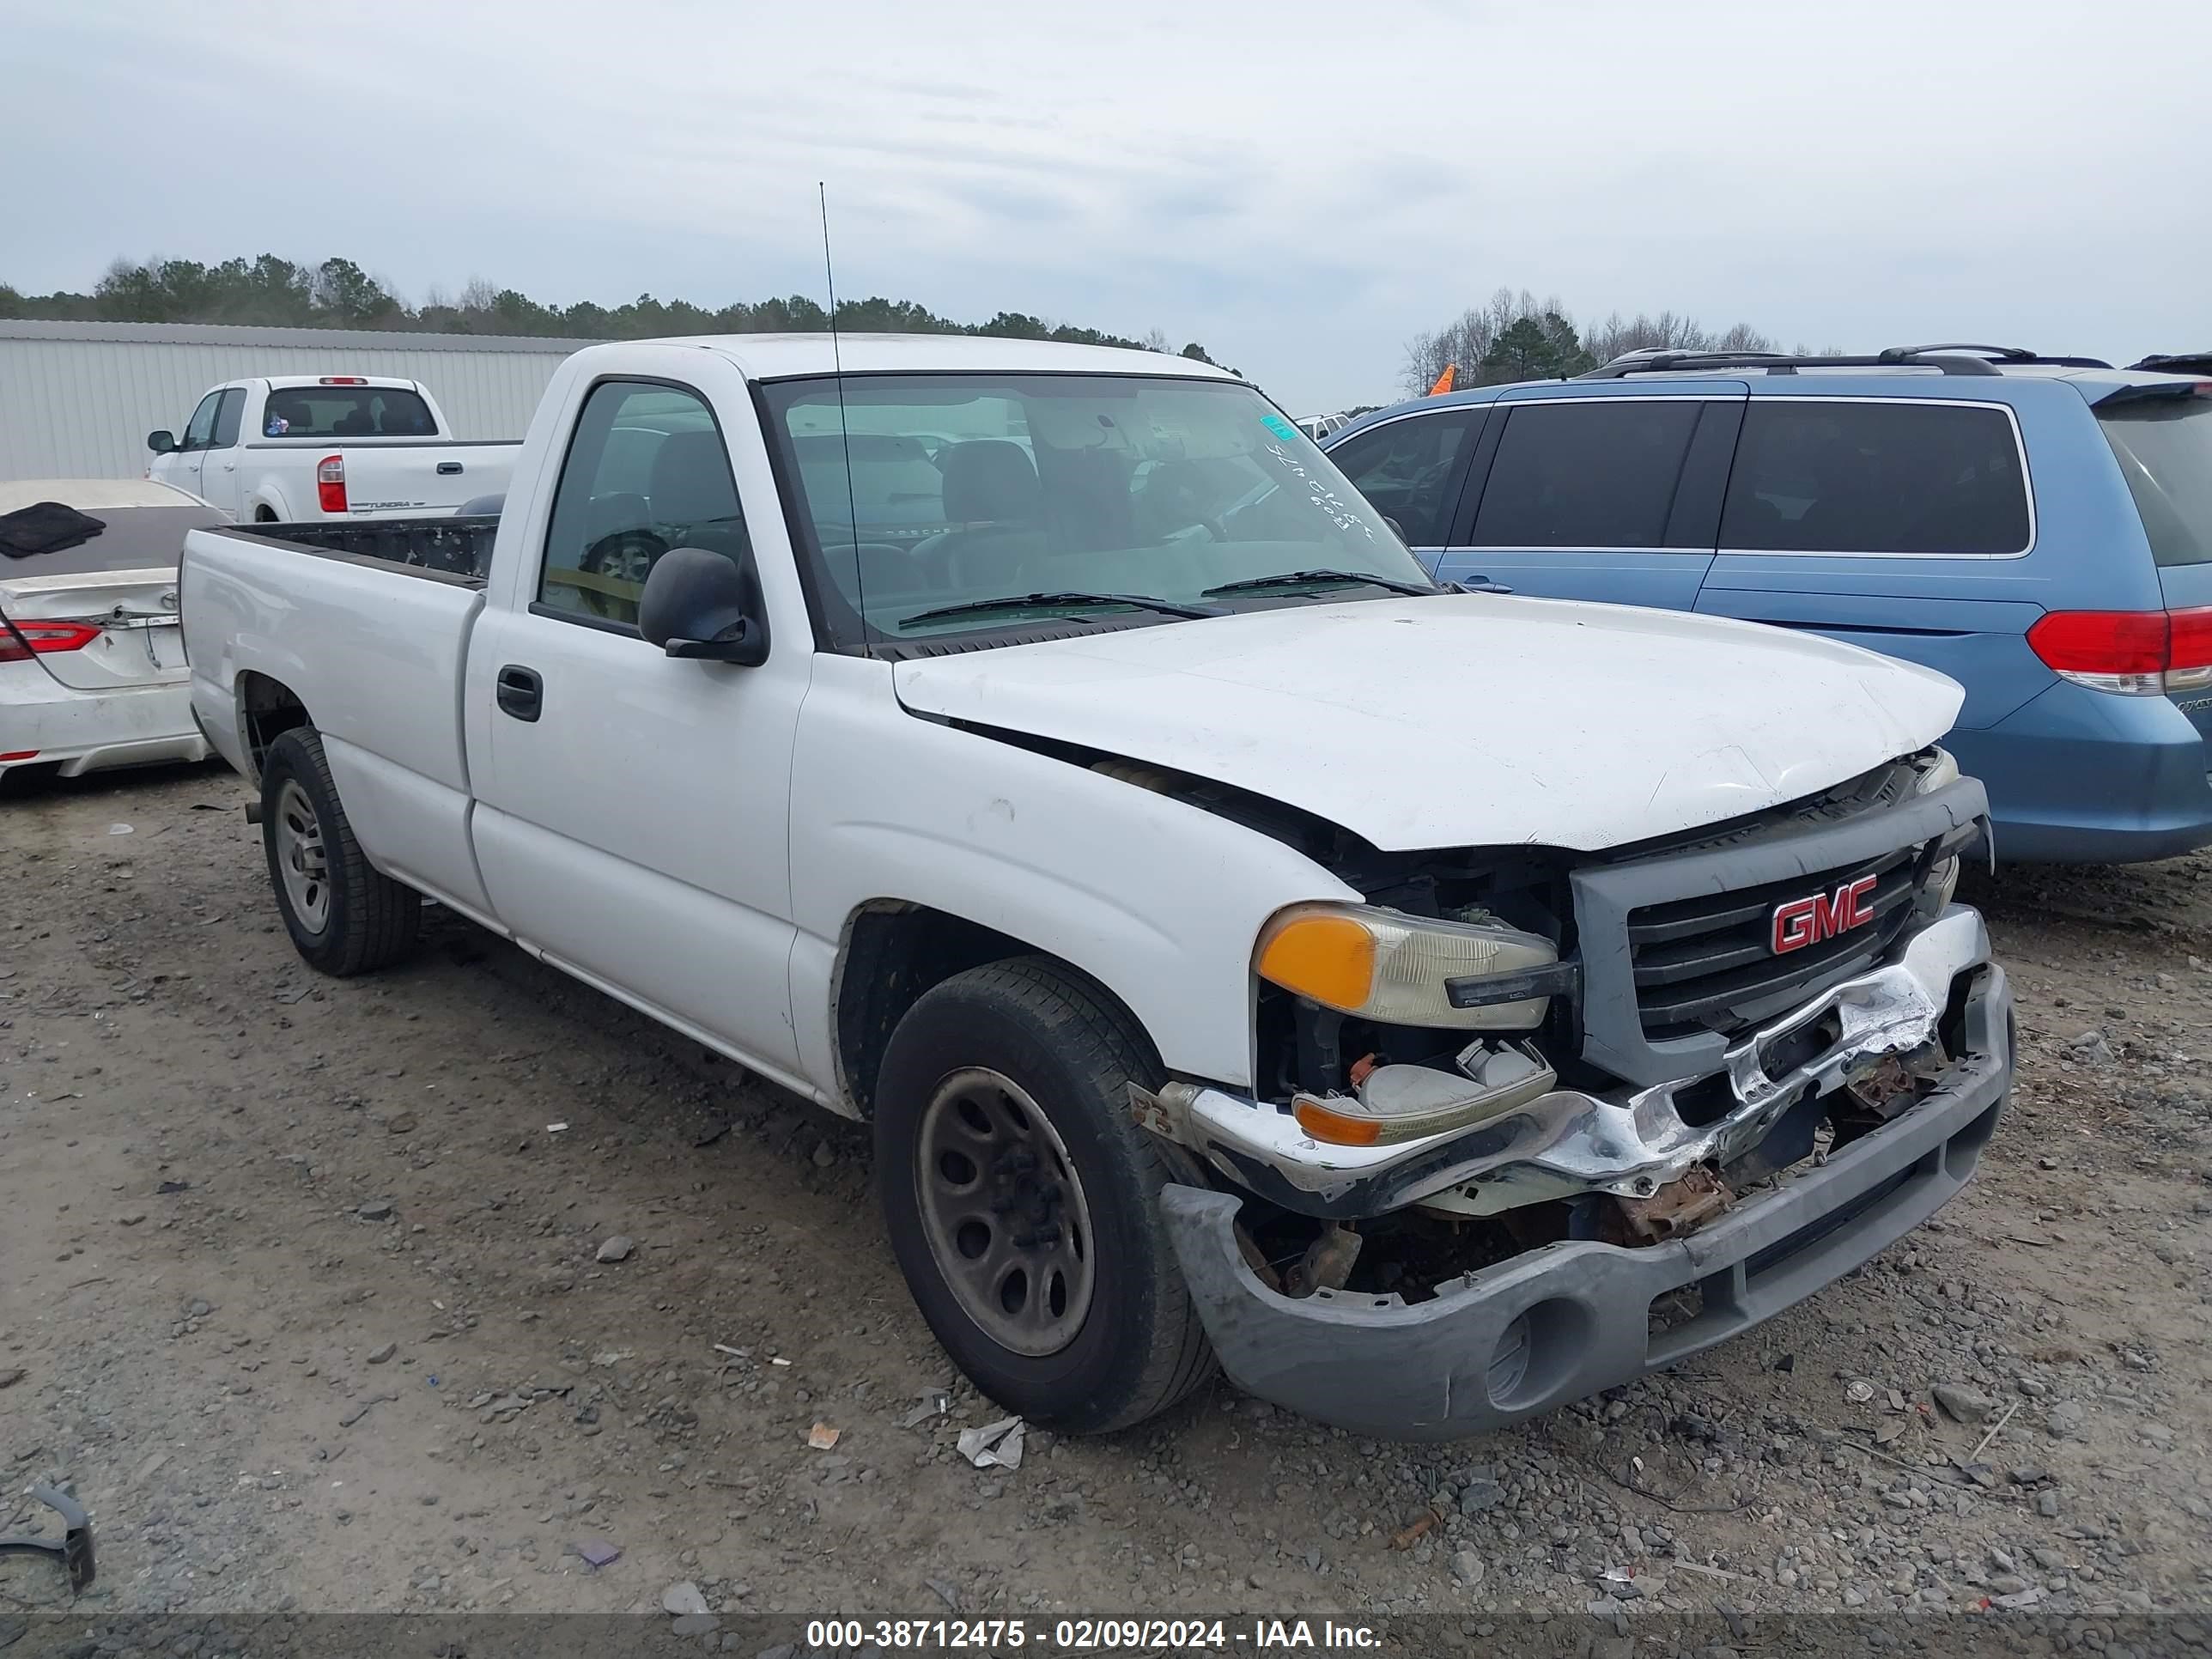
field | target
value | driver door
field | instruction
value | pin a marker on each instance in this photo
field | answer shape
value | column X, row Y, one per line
column 181, row 466
column 632, row 825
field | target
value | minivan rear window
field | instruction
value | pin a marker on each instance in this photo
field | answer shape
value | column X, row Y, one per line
column 337, row 412
column 2163, row 446
column 1831, row 475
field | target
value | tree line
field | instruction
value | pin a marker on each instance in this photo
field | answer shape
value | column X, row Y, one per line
column 1518, row 337
column 278, row 293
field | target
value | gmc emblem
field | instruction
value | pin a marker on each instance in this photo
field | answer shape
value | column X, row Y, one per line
column 1809, row 920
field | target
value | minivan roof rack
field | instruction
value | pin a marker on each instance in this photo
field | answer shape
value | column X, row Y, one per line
column 1948, row 358
column 2003, row 354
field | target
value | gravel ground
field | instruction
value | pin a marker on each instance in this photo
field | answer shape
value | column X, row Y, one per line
column 312, row 1295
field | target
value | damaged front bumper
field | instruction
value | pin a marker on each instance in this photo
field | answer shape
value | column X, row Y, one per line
column 1628, row 1143
column 1567, row 1320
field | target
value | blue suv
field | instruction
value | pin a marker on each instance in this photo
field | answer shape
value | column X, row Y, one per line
column 2038, row 528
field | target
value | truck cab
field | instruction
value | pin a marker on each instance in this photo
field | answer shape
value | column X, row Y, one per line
column 1035, row 751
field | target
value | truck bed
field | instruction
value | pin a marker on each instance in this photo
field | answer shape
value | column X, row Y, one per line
column 443, row 545
column 366, row 625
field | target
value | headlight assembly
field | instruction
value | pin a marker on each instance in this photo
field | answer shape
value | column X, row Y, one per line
column 1386, row 966
column 1939, row 771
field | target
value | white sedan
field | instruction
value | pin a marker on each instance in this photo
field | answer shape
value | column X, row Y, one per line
column 92, row 659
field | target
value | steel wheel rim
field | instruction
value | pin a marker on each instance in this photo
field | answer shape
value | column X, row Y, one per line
column 302, row 859
column 1005, row 1213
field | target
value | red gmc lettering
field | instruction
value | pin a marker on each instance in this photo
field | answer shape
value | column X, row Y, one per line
column 1809, row 920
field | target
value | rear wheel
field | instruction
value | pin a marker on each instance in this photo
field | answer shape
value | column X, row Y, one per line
column 344, row 916
column 1022, row 1197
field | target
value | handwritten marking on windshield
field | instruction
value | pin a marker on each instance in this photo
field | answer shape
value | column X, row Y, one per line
column 1324, row 498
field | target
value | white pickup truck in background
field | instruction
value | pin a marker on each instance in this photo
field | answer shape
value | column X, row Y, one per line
column 1435, row 1006
column 298, row 449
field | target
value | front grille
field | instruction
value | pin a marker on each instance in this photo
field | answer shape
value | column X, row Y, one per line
column 1708, row 963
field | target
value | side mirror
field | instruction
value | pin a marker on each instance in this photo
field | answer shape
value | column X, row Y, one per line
column 1398, row 530
column 161, row 442
column 702, row 604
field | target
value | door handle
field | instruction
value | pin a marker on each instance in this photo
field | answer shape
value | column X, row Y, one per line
column 448, row 468
column 1479, row 585
column 520, row 692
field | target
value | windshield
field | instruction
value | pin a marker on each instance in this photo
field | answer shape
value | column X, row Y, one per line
column 971, row 488
column 2164, row 446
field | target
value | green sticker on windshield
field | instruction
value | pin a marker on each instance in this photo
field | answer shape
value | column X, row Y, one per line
column 1280, row 427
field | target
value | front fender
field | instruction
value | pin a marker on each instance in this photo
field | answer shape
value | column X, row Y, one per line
column 1158, row 900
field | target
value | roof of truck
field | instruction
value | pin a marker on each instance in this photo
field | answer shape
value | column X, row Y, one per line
column 782, row 356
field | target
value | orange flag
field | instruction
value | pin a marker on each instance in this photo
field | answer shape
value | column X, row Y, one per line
column 1444, row 380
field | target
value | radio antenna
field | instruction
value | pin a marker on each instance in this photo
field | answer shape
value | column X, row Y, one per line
column 844, row 431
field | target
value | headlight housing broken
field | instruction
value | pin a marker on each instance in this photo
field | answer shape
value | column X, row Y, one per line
column 1392, row 967
column 1939, row 771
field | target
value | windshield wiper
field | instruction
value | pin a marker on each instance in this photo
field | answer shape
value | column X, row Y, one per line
column 1310, row 578
column 1059, row 600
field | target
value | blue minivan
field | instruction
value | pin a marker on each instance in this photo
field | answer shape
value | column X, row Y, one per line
column 2039, row 528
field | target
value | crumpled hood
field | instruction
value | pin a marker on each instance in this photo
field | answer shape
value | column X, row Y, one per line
column 1465, row 720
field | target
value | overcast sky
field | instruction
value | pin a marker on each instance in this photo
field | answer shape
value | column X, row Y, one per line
column 1300, row 186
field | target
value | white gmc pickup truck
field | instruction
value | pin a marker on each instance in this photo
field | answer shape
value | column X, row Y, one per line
column 313, row 446
column 1431, row 1005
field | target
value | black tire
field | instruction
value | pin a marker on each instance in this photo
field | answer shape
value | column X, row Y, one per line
column 1073, row 1050
column 366, row 920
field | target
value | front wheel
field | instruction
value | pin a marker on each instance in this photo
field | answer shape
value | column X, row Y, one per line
column 1022, row 1197
column 345, row 916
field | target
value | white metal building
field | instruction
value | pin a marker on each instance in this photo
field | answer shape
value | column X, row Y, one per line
column 77, row 399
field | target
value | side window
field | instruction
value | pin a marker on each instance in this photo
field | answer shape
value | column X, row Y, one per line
column 1407, row 469
column 200, row 429
column 1598, row 473
column 227, row 415
column 646, row 470
column 1826, row 477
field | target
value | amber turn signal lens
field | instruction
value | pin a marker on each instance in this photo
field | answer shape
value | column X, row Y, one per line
column 1337, row 1128
column 1330, row 959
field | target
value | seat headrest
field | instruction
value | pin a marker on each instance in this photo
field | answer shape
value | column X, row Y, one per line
column 691, row 482
column 990, row 480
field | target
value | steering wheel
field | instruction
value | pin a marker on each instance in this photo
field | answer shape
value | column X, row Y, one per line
column 623, row 556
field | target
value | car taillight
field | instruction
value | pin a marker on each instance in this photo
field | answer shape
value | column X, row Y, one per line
column 330, row 484
column 43, row 638
column 2140, row 653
